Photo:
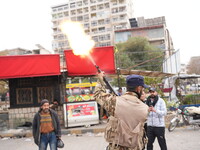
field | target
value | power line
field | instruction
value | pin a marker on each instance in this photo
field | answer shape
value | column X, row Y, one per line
column 146, row 51
column 145, row 62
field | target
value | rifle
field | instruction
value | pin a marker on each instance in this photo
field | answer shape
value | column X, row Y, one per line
column 106, row 81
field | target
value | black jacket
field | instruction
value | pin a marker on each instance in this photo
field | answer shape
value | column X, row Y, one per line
column 36, row 125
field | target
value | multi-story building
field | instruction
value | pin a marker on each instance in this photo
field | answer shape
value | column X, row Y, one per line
column 154, row 29
column 99, row 18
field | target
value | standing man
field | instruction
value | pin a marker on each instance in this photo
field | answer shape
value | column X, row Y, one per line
column 125, row 127
column 46, row 127
column 156, row 120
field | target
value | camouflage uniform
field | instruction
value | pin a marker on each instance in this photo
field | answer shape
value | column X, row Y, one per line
column 108, row 102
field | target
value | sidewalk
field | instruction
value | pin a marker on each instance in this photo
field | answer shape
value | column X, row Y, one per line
column 27, row 132
column 81, row 130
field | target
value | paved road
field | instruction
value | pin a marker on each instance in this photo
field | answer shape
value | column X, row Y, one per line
column 180, row 139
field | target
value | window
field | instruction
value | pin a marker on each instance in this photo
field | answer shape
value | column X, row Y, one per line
column 86, row 25
column 121, row 1
column 79, row 11
column 95, row 38
column 86, row 17
column 54, row 16
column 107, row 37
column 79, row 3
column 73, row 18
column 80, row 18
column 121, row 9
column 102, row 44
column 59, row 9
column 85, row 2
column 107, row 5
column 114, row 10
column 72, row 5
column 60, row 15
column 94, row 30
column 87, row 31
column 24, row 95
column 114, row 3
column 92, row 1
column 93, row 8
column 100, row 6
column 45, row 93
column 94, row 15
column 55, row 23
column 60, row 37
column 66, row 13
column 122, row 17
column 101, row 37
column 101, row 22
column 94, row 23
column 107, row 21
column 73, row 12
column 54, row 10
column 102, row 29
column 85, row 9
column 66, row 7
column 115, row 19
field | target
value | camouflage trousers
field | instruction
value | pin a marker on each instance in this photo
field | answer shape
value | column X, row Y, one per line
column 118, row 147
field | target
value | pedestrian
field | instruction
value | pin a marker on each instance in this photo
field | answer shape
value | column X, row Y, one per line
column 46, row 127
column 54, row 105
column 120, row 91
column 125, row 127
column 156, row 121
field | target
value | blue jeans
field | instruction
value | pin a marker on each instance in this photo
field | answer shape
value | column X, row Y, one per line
column 48, row 138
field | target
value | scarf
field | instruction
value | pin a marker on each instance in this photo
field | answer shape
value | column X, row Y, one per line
column 151, row 101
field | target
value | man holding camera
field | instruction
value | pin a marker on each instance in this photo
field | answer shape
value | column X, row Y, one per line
column 156, row 120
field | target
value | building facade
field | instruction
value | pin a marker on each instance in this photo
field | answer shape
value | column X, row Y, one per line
column 154, row 29
column 22, row 51
column 99, row 18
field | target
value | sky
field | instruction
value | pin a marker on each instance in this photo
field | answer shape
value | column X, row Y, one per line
column 25, row 23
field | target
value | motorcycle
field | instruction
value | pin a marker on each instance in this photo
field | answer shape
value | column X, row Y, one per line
column 185, row 116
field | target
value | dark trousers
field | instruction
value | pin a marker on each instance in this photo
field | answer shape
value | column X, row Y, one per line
column 152, row 133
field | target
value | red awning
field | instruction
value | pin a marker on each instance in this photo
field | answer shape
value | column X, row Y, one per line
column 103, row 57
column 29, row 66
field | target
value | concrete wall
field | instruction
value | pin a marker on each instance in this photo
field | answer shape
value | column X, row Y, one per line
column 4, row 121
column 18, row 116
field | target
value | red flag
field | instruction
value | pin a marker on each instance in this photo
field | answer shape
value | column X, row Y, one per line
column 80, row 66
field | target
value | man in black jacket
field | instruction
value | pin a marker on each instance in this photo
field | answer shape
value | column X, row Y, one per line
column 46, row 127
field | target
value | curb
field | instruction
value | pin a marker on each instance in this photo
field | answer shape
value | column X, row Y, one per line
column 81, row 131
column 28, row 133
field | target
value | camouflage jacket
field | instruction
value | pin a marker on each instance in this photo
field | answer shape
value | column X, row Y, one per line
column 114, row 129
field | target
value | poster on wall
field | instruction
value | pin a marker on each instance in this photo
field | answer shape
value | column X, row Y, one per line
column 81, row 114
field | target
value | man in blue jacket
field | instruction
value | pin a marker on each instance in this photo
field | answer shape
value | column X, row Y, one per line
column 156, row 120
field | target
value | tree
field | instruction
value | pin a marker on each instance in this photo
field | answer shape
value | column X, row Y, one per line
column 3, row 88
column 136, row 51
column 194, row 65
